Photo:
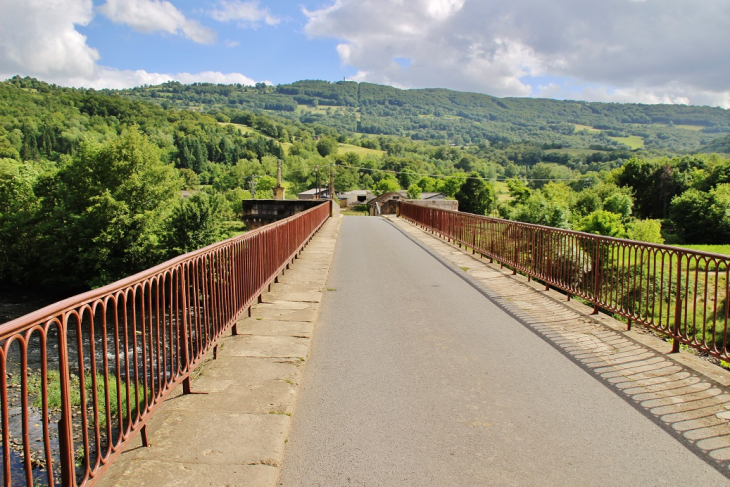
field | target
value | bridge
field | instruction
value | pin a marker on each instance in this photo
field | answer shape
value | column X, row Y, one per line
column 431, row 348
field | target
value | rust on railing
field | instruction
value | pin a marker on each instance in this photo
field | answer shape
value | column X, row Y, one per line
column 680, row 293
column 80, row 378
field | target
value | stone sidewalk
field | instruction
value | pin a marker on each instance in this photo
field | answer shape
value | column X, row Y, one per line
column 683, row 393
column 235, row 434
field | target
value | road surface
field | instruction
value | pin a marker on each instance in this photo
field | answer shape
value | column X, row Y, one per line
column 415, row 378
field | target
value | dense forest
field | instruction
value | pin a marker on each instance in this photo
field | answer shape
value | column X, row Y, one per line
column 459, row 118
column 91, row 181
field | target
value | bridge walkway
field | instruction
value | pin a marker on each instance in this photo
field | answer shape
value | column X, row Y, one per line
column 234, row 434
column 430, row 367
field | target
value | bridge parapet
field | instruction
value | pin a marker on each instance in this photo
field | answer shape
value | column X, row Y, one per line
column 80, row 378
column 680, row 293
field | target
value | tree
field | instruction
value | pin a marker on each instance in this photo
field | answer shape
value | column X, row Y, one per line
column 542, row 173
column 18, row 205
column 450, row 185
column 476, row 196
column 195, row 222
column 619, row 203
column 327, row 146
column 645, row 231
column 518, row 190
column 602, row 222
column 702, row 217
column 191, row 180
column 414, row 192
column 386, row 185
column 587, row 202
column 103, row 212
column 427, row 184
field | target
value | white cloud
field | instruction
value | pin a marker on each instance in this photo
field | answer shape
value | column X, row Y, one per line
column 115, row 78
column 658, row 50
column 40, row 37
column 242, row 12
column 150, row 16
column 230, row 43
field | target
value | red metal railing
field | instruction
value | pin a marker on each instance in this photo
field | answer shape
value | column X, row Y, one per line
column 79, row 378
column 678, row 292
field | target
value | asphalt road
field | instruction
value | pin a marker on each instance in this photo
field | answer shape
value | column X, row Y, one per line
column 415, row 378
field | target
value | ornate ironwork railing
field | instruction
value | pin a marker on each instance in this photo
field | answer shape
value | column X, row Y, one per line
column 80, row 378
column 678, row 292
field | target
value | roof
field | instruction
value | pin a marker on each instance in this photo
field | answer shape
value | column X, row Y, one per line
column 432, row 196
column 387, row 197
column 314, row 191
column 358, row 192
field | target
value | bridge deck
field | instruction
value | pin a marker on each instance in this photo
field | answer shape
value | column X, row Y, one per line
column 456, row 374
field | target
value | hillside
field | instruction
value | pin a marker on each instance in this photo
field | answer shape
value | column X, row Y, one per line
column 460, row 118
column 720, row 145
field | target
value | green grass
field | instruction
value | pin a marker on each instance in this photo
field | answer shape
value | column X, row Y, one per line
column 633, row 141
column 360, row 151
column 715, row 249
column 694, row 128
column 587, row 128
column 354, row 213
column 35, row 386
column 245, row 129
column 502, row 191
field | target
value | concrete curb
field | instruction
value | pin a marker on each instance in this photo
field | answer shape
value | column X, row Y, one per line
column 235, row 433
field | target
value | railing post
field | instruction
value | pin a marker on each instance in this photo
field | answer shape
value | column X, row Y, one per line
column 549, row 274
column 597, row 282
column 677, row 307
column 65, row 439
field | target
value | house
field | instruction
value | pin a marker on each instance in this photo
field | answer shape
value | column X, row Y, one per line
column 358, row 196
column 313, row 194
column 386, row 203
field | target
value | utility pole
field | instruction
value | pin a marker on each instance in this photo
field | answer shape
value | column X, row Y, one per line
column 332, row 182
column 316, row 173
column 253, row 186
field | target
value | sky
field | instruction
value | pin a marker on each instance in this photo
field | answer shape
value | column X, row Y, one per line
column 647, row 51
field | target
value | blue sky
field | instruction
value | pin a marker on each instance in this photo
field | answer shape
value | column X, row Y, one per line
column 280, row 53
column 649, row 51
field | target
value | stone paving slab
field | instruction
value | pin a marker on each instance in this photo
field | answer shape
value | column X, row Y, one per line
column 684, row 393
column 235, row 433
column 154, row 473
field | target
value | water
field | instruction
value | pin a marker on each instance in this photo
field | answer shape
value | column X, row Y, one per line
column 14, row 305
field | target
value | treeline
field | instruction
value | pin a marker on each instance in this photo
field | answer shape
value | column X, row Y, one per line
column 681, row 200
column 460, row 118
column 90, row 182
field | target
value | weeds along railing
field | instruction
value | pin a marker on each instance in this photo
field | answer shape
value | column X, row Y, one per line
column 79, row 378
column 678, row 292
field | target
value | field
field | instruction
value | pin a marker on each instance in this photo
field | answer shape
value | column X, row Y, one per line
column 360, row 151
column 245, row 129
column 694, row 128
column 715, row 249
column 579, row 127
column 502, row 191
column 633, row 141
